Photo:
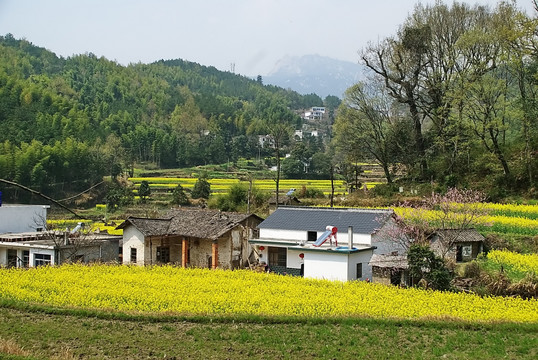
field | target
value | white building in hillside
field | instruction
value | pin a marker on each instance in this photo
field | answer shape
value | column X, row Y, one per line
column 22, row 218
column 315, row 113
column 295, row 240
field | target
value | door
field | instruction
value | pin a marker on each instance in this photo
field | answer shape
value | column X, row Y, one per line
column 11, row 258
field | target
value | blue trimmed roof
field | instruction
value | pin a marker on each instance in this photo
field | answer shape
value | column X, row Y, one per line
column 364, row 221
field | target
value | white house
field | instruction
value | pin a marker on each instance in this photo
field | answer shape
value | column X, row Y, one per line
column 22, row 218
column 295, row 240
column 54, row 248
column 315, row 113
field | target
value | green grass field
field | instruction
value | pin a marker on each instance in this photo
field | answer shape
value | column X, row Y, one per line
column 32, row 333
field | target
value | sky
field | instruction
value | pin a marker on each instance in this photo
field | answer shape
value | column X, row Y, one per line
column 251, row 34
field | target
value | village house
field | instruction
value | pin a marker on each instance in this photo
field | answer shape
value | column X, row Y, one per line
column 25, row 241
column 32, row 249
column 323, row 243
column 190, row 237
column 460, row 245
column 315, row 113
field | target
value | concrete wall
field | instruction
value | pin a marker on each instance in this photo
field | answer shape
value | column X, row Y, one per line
column 293, row 260
column 20, row 248
column 104, row 251
column 362, row 257
column 323, row 265
column 384, row 243
column 22, row 218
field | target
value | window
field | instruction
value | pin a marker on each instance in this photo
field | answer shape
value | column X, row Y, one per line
column 163, row 254
column 359, row 270
column 26, row 258
column 312, row 236
column 277, row 256
column 42, row 259
column 133, row 255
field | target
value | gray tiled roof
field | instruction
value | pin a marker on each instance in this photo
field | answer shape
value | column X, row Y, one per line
column 364, row 221
column 459, row 235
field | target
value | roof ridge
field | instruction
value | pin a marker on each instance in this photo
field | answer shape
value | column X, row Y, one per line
column 310, row 208
column 146, row 218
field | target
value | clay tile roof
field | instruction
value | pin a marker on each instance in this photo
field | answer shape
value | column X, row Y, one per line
column 148, row 227
column 389, row 261
column 197, row 223
column 460, row 235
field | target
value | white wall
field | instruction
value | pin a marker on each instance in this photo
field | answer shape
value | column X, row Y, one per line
column 132, row 238
column 22, row 218
column 33, row 252
column 297, row 235
column 362, row 257
column 324, row 265
column 46, row 250
column 293, row 259
column 301, row 235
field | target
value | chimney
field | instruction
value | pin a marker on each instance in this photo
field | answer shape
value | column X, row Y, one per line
column 350, row 237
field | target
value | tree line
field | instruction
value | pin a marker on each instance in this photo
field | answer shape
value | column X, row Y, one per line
column 452, row 96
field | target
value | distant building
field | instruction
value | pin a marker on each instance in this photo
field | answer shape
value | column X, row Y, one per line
column 315, row 113
column 266, row 141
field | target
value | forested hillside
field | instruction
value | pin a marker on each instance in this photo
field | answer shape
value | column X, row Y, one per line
column 68, row 122
column 452, row 96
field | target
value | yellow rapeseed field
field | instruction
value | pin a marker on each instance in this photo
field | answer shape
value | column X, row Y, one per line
column 496, row 223
column 518, row 262
column 175, row 290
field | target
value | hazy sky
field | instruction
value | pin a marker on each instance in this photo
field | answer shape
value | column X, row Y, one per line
column 252, row 34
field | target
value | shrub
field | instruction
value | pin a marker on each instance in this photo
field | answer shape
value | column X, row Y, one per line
column 144, row 191
column 179, row 197
column 202, row 188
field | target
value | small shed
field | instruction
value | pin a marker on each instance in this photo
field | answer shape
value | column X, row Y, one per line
column 459, row 244
column 390, row 269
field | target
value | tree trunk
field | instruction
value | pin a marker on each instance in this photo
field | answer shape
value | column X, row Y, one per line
column 497, row 151
column 387, row 172
column 420, row 146
column 277, row 173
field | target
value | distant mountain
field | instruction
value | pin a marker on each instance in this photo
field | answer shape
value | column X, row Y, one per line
column 315, row 74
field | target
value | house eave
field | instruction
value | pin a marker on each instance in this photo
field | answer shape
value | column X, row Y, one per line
column 274, row 242
column 333, row 250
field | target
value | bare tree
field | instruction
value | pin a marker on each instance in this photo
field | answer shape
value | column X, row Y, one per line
column 73, row 245
column 456, row 210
